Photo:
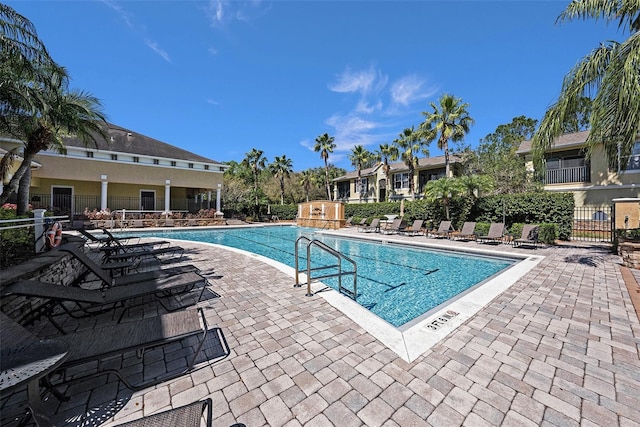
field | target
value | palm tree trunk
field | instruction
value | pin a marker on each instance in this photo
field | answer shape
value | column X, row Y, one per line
column 326, row 179
column 14, row 183
column 23, row 192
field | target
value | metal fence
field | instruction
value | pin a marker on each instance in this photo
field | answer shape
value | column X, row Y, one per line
column 63, row 204
column 593, row 224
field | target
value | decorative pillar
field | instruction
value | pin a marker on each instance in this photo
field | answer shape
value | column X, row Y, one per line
column 209, row 200
column 167, row 196
column 103, row 192
column 39, row 229
column 218, row 193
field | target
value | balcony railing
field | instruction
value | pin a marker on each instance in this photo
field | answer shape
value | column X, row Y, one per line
column 566, row 175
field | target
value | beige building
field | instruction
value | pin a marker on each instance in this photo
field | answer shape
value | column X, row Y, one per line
column 591, row 181
column 372, row 186
column 127, row 171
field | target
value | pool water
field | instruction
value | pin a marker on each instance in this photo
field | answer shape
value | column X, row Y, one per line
column 396, row 282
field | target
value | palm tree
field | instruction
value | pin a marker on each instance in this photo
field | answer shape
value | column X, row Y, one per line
column 474, row 185
column 256, row 161
column 609, row 76
column 281, row 168
column 450, row 120
column 63, row 112
column 359, row 157
column 384, row 154
column 409, row 144
column 307, row 180
column 324, row 145
column 23, row 58
column 443, row 189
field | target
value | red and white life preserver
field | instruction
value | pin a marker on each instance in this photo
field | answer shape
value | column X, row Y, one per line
column 54, row 235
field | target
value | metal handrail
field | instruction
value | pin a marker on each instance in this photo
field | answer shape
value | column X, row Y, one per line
column 339, row 257
column 32, row 221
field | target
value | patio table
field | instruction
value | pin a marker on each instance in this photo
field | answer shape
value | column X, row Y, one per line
column 24, row 358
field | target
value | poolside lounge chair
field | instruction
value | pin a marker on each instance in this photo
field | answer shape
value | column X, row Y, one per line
column 466, row 233
column 347, row 223
column 529, row 236
column 102, row 241
column 444, row 230
column 94, row 345
column 415, row 229
column 496, row 230
column 79, row 302
column 373, row 227
column 184, row 416
column 125, row 279
column 394, row 228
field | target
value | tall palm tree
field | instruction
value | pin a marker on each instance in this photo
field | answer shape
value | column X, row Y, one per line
column 23, row 58
column 608, row 75
column 409, row 144
column 384, row 154
column 450, row 120
column 281, row 167
column 307, row 180
column 359, row 157
column 325, row 145
column 256, row 161
column 63, row 112
column 443, row 189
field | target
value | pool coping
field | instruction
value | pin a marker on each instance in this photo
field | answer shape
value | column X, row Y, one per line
column 412, row 340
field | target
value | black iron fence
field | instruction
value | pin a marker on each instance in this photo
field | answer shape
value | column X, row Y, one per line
column 63, row 204
column 593, row 224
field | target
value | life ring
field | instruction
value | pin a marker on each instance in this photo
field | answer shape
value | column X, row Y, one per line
column 54, row 235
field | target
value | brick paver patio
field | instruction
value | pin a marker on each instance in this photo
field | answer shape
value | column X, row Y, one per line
column 559, row 347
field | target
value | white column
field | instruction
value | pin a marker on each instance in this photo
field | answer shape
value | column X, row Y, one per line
column 218, row 193
column 39, row 230
column 103, row 192
column 209, row 201
column 167, row 196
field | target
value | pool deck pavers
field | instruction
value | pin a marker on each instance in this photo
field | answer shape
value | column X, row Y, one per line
column 558, row 348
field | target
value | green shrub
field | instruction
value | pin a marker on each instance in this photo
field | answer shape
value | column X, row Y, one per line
column 548, row 233
column 16, row 245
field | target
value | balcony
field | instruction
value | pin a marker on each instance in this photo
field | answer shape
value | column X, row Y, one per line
column 567, row 175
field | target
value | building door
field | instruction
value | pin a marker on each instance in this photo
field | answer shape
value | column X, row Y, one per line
column 382, row 190
column 148, row 200
column 61, row 200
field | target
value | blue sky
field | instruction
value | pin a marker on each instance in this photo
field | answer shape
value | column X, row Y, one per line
column 219, row 78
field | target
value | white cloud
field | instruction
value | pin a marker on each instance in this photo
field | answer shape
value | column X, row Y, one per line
column 221, row 12
column 410, row 89
column 212, row 102
column 124, row 15
column 154, row 46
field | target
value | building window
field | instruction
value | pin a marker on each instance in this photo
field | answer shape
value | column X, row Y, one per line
column 90, row 154
column 401, row 181
column 362, row 187
column 156, row 161
column 114, row 157
column 344, row 190
column 633, row 164
column 173, row 162
column 221, row 169
column 206, row 167
column 190, row 165
column 136, row 159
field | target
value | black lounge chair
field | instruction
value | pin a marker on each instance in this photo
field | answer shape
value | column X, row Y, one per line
column 101, row 241
column 78, row 302
column 184, row 416
column 100, row 271
column 529, row 236
column 495, row 234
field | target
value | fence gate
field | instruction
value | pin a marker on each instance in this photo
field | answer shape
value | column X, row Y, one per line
column 593, row 224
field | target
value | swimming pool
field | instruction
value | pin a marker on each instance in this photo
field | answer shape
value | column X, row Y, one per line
column 396, row 283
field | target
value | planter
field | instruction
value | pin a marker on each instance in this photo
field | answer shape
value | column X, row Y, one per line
column 630, row 253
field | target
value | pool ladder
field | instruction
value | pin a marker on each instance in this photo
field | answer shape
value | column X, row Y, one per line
column 351, row 293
